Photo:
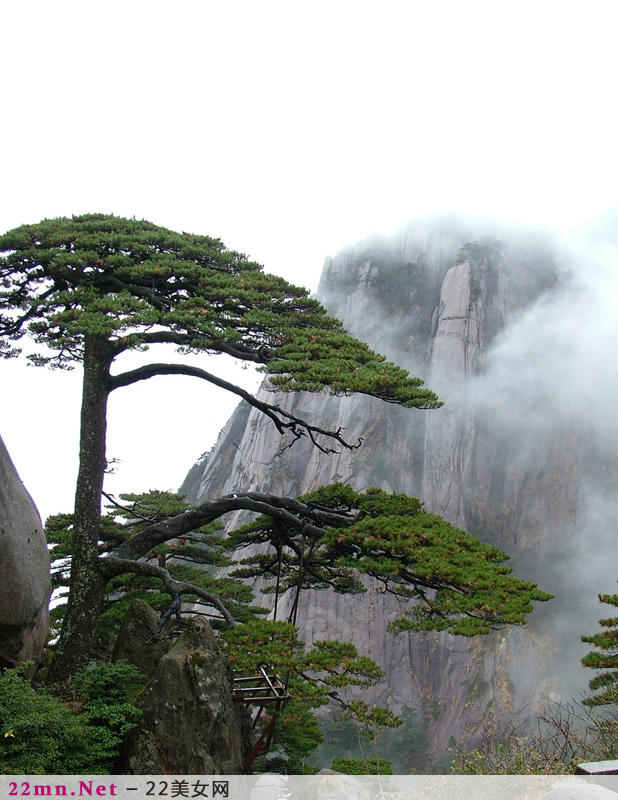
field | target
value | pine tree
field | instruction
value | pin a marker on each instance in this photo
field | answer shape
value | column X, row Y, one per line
column 323, row 540
column 90, row 288
column 87, row 289
column 604, row 658
column 197, row 558
column 446, row 579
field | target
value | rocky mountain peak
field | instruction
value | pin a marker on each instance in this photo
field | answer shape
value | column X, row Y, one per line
column 456, row 304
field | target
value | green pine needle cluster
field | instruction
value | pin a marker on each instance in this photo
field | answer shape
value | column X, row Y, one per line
column 314, row 677
column 44, row 733
column 604, row 658
column 194, row 558
column 133, row 283
column 454, row 582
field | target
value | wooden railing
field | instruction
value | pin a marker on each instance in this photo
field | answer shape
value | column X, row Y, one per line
column 262, row 691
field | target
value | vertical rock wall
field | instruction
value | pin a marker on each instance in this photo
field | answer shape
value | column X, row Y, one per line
column 434, row 298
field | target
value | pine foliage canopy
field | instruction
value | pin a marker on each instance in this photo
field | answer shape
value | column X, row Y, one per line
column 134, row 284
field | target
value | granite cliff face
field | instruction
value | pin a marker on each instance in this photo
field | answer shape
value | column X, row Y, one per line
column 24, row 563
column 439, row 298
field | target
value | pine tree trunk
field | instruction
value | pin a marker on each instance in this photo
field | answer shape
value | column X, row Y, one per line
column 87, row 585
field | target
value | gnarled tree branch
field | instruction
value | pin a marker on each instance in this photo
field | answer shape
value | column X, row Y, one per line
column 292, row 512
column 116, row 566
column 283, row 420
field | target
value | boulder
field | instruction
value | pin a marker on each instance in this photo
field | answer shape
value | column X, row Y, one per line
column 24, row 563
column 190, row 723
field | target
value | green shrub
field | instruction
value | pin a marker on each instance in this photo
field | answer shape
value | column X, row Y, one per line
column 107, row 691
column 117, row 682
column 359, row 766
column 39, row 735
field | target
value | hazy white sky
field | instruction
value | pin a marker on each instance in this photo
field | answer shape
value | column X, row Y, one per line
column 289, row 130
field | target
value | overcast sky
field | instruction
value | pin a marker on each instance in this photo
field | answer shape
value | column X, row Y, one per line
column 288, row 130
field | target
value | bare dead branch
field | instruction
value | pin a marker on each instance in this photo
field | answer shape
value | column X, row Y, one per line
column 131, row 511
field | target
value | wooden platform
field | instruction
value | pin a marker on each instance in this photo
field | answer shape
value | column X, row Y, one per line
column 263, row 691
